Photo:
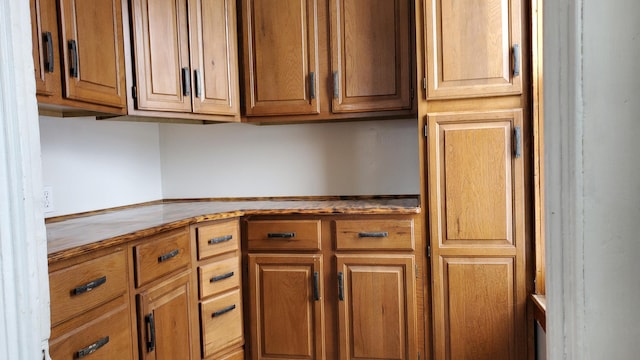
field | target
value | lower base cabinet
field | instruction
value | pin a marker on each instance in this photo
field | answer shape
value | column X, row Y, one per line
column 164, row 320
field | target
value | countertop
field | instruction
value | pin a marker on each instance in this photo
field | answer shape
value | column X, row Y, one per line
column 78, row 235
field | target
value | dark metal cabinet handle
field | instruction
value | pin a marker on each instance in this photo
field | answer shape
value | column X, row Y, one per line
column 220, row 239
column 340, row 286
column 223, row 311
column 169, row 255
column 316, row 286
column 73, row 67
column 312, row 85
column 379, row 234
column 221, row 277
column 284, row 235
column 198, row 76
column 517, row 133
column 89, row 286
column 92, row 348
column 151, row 332
column 48, row 42
column 336, row 89
column 516, row 60
column 186, row 81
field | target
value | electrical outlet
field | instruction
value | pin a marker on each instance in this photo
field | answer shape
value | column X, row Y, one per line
column 47, row 199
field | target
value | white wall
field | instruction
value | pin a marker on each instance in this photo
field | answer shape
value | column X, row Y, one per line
column 611, row 144
column 592, row 132
column 99, row 164
column 237, row 160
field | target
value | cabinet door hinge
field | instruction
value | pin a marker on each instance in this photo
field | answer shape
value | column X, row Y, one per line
column 429, row 251
column 424, row 83
column 134, row 92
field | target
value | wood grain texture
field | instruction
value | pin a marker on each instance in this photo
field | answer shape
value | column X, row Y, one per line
column 174, row 246
column 212, row 239
column 225, row 330
column 44, row 20
column 76, row 236
column 361, row 235
column 305, row 235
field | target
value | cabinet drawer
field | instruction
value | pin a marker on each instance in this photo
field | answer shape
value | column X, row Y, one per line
column 217, row 238
column 161, row 255
column 374, row 235
column 81, row 287
column 221, row 319
column 219, row 276
column 283, row 235
column 103, row 338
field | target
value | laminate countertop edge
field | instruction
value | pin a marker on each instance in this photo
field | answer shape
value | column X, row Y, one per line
column 82, row 235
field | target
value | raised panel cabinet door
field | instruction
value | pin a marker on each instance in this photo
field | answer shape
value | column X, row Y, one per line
column 161, row 52
column 93, row 51
column 281, row 57
column 476, row 196
column 214, row 57
column 165, row 321
column 377, row 307
column 370, row 55
column 473, row 48
column 286, row 306
column 46, row 56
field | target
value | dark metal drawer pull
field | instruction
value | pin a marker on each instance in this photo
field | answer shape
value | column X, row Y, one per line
column 169, row 255
column 218, row 240
column 340, row 286
column 316, row 286
column 186, row 82
column 92, row 348
column 48, row 64
column 285, row 235
column 223, row 311
column 89, row 286
column 151, row 335
column 221, row 277
column 73, row 52
column 379, row 234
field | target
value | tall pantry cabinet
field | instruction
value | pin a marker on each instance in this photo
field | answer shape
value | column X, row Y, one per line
column 473, row 113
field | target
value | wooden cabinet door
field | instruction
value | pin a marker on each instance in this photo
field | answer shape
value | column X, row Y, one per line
column 287, row 312
column 165, row 321
column 46, row 60
column 214, row 57
column 473, row 48
column 371, row 56
column 93, row 51
column 281, row 57
column 377, row 307
column 161, row 46
column 475, row 179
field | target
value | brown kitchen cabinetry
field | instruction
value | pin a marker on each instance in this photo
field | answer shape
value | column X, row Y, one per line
column 369, row 295
column 478, row 251
column 473, row 48
column 167, row 318
column 78, row 52
column 327, row 59
column 184, row 59
column 90, row 312
column 219, row 277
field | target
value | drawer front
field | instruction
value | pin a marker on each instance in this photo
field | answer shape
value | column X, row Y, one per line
column 283, row 235
column 236, row 355
column 161, row 255
column 221, row 322
column 219, row 276
column 374, row 235
column 218, row 239
column 104, row 338
column 81, row 287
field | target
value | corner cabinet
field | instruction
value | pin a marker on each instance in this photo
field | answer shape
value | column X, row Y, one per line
column 478, row 251
column 473, row 48
column 327, row 59
column 185, row 59
column 82, row 65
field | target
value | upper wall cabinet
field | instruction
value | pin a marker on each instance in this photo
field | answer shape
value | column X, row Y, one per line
column 281, row 57
column 82, row 65
column 327, row 59
column 370, row 55
column 473, row 48
column 185, row 57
